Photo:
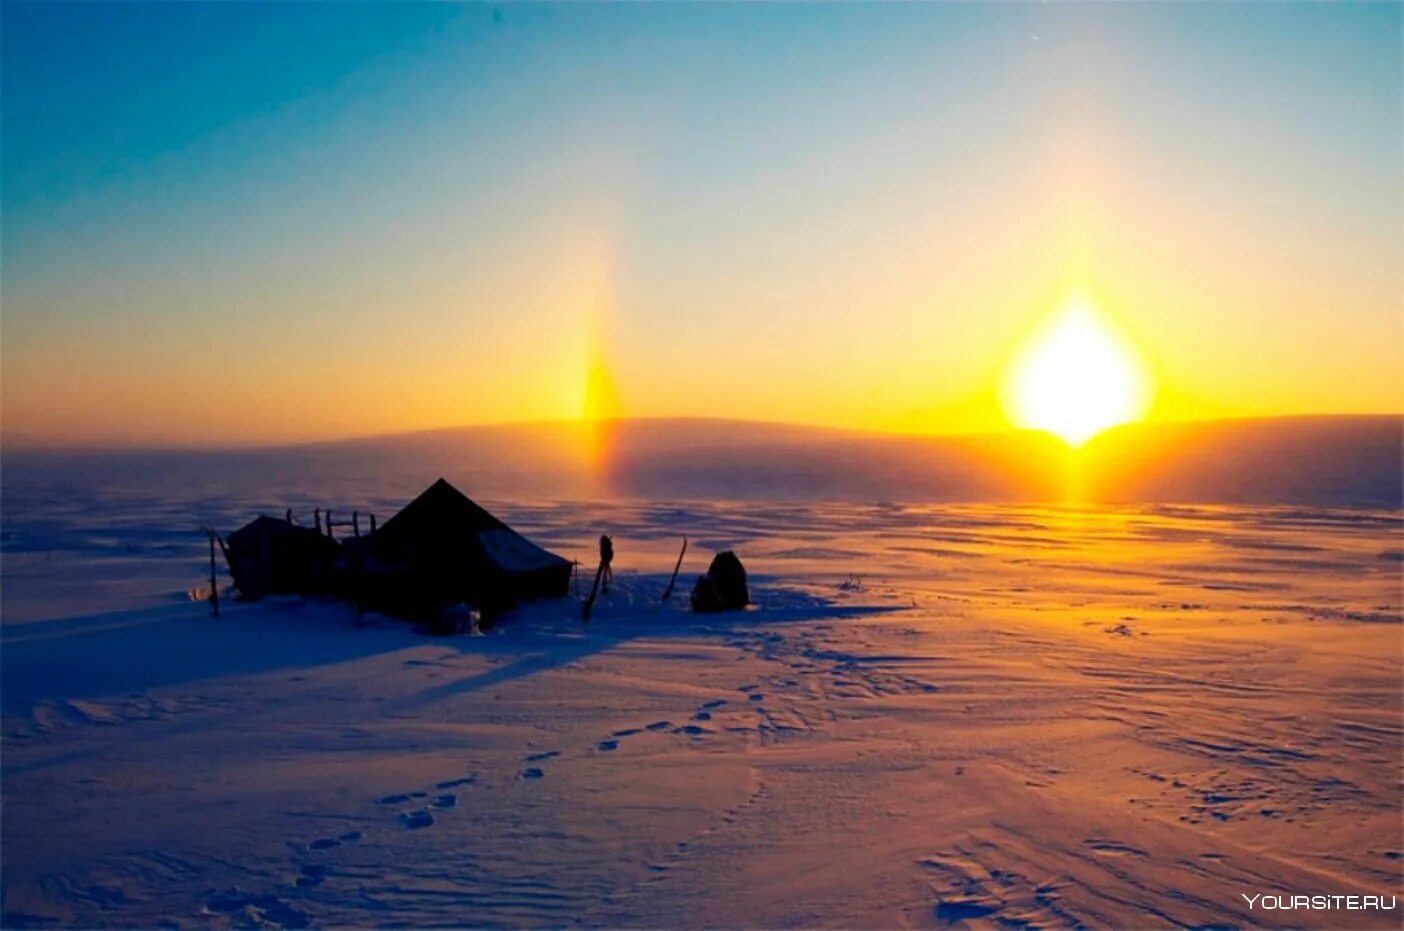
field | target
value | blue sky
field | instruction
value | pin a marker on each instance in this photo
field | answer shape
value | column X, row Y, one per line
column 866, row 205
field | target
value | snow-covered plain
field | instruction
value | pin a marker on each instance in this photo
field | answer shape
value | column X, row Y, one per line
column 1003, row 716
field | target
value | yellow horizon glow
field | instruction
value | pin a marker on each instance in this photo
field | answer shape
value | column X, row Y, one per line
column 1075, row 377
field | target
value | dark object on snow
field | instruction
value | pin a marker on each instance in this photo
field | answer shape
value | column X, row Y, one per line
column 270, row 556
column 604, row 573
column 723, row 588
column 607, row 560
column 729, row 576
column 705, row 597
column 214, row 570
column 443, row 550
column 668, row 592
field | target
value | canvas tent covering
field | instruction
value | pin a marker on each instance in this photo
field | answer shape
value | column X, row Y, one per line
column 443, row 549
column 270, row 556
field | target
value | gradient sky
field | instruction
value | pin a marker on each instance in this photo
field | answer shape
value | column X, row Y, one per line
column 243, row 223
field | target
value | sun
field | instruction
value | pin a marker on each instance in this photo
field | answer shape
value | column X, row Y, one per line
column 1075, row 377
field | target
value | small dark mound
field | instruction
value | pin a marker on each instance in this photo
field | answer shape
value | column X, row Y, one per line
column 723, row 588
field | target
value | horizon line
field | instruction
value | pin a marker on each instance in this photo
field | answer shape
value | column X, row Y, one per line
column 24, row 444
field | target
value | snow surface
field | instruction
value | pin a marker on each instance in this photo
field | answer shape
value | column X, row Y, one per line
column 988, row 716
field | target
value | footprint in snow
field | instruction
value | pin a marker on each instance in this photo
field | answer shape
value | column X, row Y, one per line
column 608, row 745
column 691, row 729
column 659, row 726
column 714, row 703
column 532, row 772
column 546, row 755
column 326, row 843
column 627, row 732
column 311, row 874
column 756, row 696
column 452, row 783
column 400, row 798
column 416, row 819
column 264, row 909
column 702, row 716
column 445, row 801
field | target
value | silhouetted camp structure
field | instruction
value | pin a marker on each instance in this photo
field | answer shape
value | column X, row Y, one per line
column 442, row 549
column 724, row 586
column 271, row 556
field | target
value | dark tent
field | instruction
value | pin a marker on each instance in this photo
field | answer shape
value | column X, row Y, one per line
column 443, row 549
column 271, row 556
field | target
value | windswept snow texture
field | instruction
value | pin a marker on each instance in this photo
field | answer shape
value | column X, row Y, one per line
column 953, row 715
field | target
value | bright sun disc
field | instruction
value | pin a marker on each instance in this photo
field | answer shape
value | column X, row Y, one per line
column 1075, row 378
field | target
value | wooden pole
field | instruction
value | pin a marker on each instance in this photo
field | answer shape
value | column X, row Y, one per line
column 329, row 525
column 358, row 567
column 317, row 518
column 288, row 516
column 214, row 577
column 372, row 517
column 594, row 589
column 356, row 523
column 668, row 592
